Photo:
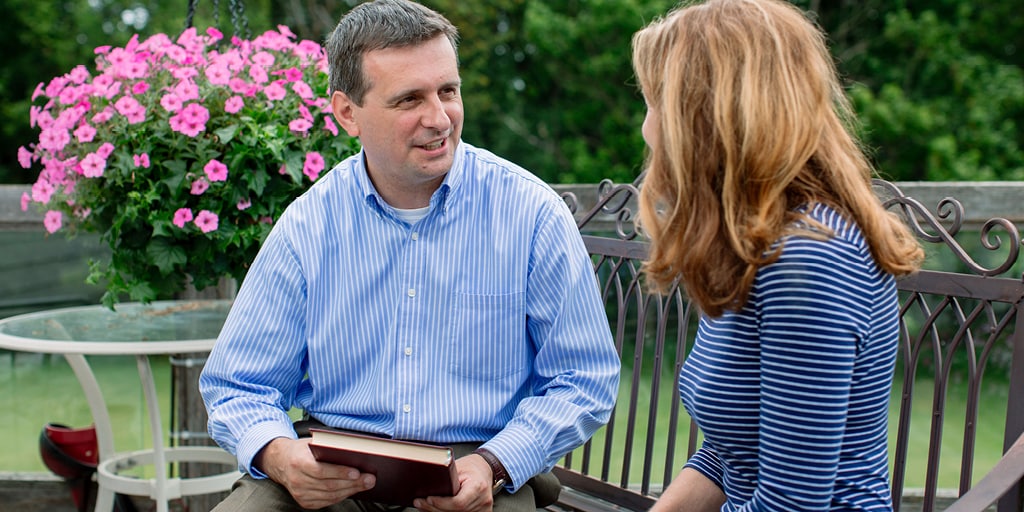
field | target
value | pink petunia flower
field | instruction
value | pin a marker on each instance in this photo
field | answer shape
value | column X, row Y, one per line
column 105, row 150
column 275, row 91
column 215, row 35
column 183, row 127
column 285, row 31
column 310, row 48
column 207, row 221
column 53, row 221
column 171, row 102
column 187, row 90
column 140, row 88
column 313, row 165
column 24, row 157
column 238, row 85
column 182, row 216
column 54, row 139
column 303, row 90
column 234, row 104
column 263, row 59
column 70, row 95
column 243, row 204
column 218, row 74
column 79, row 74
column 300, row 126
column 93, row 165
column 85, row 133
column 141, row 160
column 216, row 170
column 131, row 109
column 103, row 116
column 199, row 186
column 330, row 126
column 42, row 190
column 258, row 74
column 190, row 120
column 195, row 113
column 184, row 73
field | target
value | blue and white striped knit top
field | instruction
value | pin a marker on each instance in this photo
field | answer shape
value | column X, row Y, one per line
column 792, row 392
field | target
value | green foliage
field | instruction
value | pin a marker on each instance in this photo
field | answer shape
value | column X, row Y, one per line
column 939, row 88
column 181, row 154
column 938, row 85
column 550, row 85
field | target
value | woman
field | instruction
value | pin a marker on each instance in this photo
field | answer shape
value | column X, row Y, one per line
column 758, row 202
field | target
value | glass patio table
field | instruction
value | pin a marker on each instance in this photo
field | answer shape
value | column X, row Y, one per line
column 141, row 330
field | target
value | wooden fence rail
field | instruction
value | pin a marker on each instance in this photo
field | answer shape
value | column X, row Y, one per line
column 984, row 199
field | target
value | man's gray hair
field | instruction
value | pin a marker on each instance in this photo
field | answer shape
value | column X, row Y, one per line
column 374, row 26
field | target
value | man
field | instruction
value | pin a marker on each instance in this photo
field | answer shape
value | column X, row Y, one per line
column 424, row 289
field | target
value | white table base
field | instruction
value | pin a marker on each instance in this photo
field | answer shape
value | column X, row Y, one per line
column 161, row 488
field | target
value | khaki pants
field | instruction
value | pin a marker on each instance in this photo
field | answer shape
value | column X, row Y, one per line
column 250, row 495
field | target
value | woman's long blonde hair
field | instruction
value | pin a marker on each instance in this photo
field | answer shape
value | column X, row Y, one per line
column 750, row 122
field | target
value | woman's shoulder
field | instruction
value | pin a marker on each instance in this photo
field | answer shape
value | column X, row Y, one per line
column 820, row 225
column 825, row 239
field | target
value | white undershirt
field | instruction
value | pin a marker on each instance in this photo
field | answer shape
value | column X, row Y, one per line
column 412, row 216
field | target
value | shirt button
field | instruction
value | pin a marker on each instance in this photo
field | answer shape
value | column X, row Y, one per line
column 415, row 235
column 406, row 408
column 408, row 351
column 412, row 292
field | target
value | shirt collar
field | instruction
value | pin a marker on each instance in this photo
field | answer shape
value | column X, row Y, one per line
column 441, row 196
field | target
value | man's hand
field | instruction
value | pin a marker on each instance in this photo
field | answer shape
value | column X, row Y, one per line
column 313, row 484
column 475, row 491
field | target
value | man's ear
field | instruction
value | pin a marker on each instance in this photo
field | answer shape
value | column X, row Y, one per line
column 344, row 112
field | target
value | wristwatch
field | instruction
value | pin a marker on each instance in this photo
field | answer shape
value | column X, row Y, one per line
column 499, row 475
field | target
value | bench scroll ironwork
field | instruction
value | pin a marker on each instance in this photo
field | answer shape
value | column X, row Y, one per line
column 961, row 350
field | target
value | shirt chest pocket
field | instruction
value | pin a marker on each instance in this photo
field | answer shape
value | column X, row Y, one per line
column 488, row 335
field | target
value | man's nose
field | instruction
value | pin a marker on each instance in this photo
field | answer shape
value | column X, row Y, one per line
column 435, row 116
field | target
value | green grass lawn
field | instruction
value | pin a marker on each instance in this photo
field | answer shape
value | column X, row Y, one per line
column 40, row 388
column 36, row 389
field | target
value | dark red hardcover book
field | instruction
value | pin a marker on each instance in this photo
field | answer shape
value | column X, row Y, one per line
column 405, row 470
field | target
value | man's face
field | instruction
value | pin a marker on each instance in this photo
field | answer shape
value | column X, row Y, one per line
column 410, row 121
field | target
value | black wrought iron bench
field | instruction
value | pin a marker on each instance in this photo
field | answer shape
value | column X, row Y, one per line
column 961, row 358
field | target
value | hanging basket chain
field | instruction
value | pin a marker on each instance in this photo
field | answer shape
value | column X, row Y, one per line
column 239, row 21
column 191, row 13
column 238, row 18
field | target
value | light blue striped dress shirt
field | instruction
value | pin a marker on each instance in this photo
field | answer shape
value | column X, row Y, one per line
column 792, row 392
column 480, row 322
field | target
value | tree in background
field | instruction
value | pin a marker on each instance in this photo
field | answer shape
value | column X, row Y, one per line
column 939, row 85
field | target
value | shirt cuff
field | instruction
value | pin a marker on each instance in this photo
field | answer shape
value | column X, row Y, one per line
column 521, row 465
column 255, row 439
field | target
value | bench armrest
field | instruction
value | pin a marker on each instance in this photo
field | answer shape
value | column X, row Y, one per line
column 582, row 493
column 1007, row 472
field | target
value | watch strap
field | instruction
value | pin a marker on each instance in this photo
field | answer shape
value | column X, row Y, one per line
column 498, row 472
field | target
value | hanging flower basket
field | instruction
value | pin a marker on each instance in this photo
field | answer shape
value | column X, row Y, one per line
column 181, row 153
